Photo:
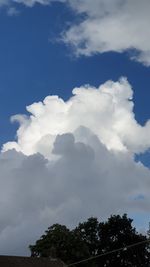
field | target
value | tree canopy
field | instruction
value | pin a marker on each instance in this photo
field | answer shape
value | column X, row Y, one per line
column 92, row 238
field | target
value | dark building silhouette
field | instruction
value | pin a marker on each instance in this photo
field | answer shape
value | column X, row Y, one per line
column 14, row 261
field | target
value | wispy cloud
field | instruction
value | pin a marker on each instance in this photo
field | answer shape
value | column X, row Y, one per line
column 107, row 25
column 12, row 11
column 111, row 26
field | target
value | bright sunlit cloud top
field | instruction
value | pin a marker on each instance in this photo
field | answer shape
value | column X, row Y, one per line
column 107, row 111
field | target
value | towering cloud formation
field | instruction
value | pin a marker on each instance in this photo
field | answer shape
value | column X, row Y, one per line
column 106, row 111
column 75, row 159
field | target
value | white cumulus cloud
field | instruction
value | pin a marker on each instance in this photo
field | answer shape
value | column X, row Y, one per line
column 72, row 160
column 107, row 111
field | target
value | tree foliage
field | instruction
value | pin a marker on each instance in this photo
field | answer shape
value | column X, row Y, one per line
column 92, row 238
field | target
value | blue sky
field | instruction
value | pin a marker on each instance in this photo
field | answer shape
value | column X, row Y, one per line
column 34, row 64
column 80, row 156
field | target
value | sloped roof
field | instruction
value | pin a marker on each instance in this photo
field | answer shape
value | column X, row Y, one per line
column 14, row 261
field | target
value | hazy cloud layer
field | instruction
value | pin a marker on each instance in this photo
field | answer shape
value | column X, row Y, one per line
column 85, row 168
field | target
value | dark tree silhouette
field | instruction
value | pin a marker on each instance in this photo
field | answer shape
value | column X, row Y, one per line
column 116, row 233
column 92, row 238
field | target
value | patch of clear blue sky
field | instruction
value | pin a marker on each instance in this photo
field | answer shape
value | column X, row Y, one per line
column 144, row 158
column 140, row 221
column 32, row 67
